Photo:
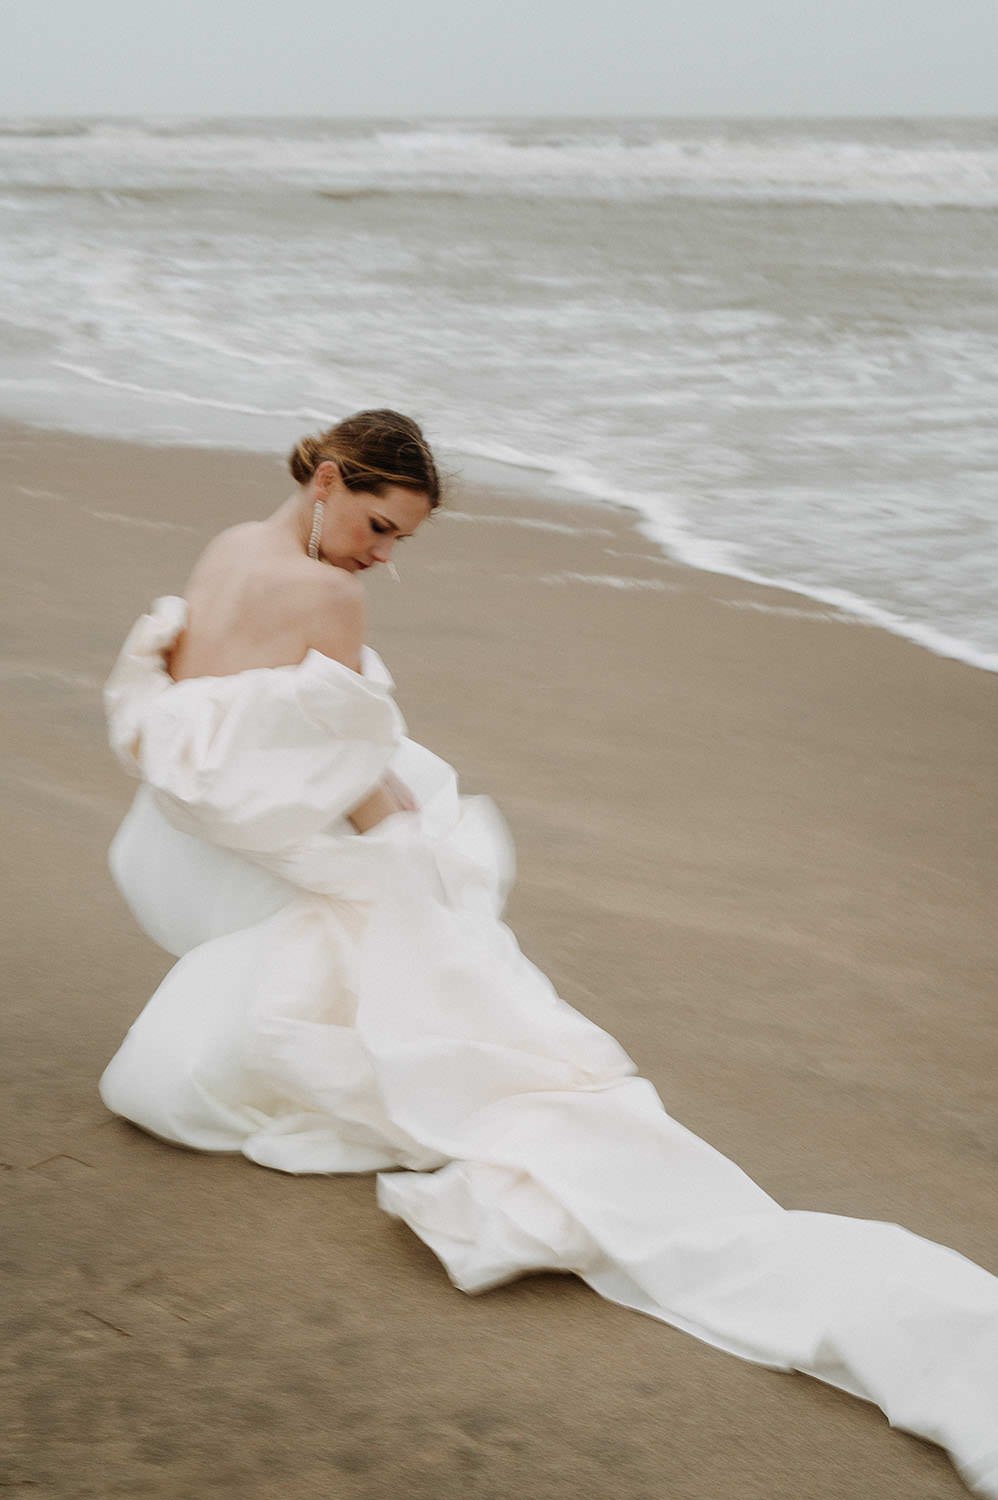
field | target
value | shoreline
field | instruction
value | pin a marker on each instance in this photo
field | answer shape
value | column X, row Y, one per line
column 541, row 482
column 755, row 844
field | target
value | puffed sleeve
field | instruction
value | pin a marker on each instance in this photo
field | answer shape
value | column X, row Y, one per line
column 259, row 761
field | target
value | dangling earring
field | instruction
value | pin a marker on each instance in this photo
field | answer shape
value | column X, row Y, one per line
column 316, row 532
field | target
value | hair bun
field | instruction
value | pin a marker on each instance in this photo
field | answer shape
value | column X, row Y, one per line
column 373, row 450
column 304, row 459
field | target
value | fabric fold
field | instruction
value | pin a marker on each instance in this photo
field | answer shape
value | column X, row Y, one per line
column 348, row 1003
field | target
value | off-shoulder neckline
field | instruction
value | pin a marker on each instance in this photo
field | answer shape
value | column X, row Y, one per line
column 178, row 606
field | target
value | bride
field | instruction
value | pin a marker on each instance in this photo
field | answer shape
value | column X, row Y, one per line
column 348, row 999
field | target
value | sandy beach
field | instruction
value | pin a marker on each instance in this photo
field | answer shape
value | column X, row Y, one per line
column 756, row 843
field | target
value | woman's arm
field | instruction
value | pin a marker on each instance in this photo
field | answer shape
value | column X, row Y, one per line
column 338, row 632
column 390, row 796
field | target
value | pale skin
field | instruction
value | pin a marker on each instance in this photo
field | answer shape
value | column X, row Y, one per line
column 256, row 599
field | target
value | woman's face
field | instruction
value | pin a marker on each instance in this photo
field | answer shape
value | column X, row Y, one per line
column 360, row 529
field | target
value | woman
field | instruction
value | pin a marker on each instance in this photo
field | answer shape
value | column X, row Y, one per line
column 347, row 998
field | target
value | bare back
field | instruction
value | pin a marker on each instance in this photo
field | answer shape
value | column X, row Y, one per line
column 252, row 603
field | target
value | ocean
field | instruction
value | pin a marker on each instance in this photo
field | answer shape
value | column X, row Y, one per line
column 776, row 341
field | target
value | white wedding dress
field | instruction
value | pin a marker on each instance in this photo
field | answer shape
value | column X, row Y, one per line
column 348, row 1003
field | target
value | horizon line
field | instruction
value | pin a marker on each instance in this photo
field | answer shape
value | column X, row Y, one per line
column 490, row 115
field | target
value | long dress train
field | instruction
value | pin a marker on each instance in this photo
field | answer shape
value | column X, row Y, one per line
column 347, row 1003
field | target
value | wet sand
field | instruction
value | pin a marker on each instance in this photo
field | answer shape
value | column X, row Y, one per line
column 756, row 843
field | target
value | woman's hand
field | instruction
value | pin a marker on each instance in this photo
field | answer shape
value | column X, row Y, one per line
column 390, row 796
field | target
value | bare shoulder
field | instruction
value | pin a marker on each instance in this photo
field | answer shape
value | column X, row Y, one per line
column 219, row 552
column 251, row 605
column 336, row 615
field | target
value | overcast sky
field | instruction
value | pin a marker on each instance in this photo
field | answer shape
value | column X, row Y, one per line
column 458, row 57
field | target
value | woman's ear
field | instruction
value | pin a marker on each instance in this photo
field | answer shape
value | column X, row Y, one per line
column 326, row 477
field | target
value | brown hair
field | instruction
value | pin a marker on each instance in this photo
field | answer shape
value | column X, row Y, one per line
column 373, row 449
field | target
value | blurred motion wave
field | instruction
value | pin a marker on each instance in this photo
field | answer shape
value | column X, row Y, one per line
column 776, row 340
